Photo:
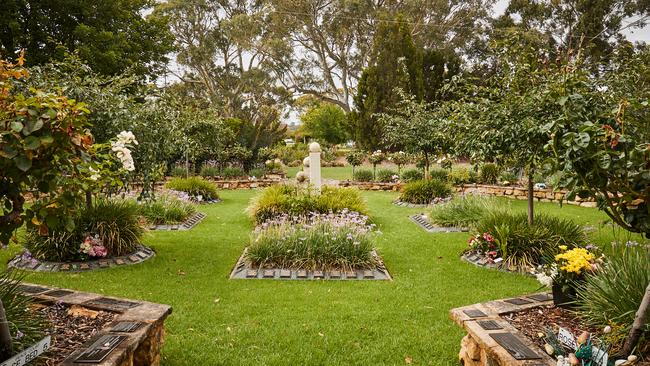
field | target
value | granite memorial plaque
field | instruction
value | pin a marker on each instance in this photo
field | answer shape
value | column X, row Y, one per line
column 58, row 293
column 474, row 313
column 518, row 301
column 99, row 350
column 29, row 289
column 489, row 325
column 541, row 297
column 126, row 327
column 112, row 304
column 515, row 346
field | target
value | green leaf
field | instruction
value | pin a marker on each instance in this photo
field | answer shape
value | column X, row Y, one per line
column 32, row 143
column 46, row 140
column 7, row 152
column 604, row 161
column 16, row 126
column 23, row 163
column 582, row 139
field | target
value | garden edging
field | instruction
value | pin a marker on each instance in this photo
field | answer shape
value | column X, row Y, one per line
column 521, row 193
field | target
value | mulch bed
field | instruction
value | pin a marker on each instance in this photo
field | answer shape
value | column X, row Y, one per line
column 71, row 327
column 533, row 321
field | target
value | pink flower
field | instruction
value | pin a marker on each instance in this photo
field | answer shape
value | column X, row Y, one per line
column 99, row 251
column 488, row 237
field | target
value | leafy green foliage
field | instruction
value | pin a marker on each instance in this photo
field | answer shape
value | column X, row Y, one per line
column 612, row 295
column 464, row 211
column 508, row 176
column 232, row 172
column 296, row 201
column 461, row 175
column 112, row 36
column 385, row 175
column 194, row 187
column 424, row 191
column 439, row 174
column 31, row 324
column 178, row 171
column 325, row 123
column 521, row 244
column 363, row 175
column 320, row 242
column 166, row 210
column 489, row 173
column 116, row 222
column 410, row 175
column 208, row 171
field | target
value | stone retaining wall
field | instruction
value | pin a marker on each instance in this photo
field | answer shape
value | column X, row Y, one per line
column 246, row 184
column 371, row 186
column 542, row 195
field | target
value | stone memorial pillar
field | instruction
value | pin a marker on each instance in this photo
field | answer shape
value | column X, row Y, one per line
column 314, row 165
column 305, row 165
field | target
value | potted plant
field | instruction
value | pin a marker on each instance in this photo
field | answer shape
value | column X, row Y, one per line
column 566, row 270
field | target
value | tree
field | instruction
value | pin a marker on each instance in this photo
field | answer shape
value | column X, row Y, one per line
column 501, row 117
column 418, row 128
column 438, row 68
column 600, row 141
column 325, row 123
column 395, row 63
column 111, row 36
column 355, row 158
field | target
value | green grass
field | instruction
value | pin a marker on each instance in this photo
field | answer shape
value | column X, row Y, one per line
column 217, row 321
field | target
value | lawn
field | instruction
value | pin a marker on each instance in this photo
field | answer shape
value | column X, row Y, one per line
column 217, row 321
column 335, row 172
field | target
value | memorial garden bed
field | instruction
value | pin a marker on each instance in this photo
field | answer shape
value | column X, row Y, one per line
column 93, row 329
column 188, row 224
column 26, row 262
column 422, row 220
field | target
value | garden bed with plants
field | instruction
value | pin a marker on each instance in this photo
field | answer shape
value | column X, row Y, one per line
column 305, row 234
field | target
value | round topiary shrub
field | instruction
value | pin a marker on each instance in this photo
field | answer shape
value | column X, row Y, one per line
column 424, row 191
column 362, row 175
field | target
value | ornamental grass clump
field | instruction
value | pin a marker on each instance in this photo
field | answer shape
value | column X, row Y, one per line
column 465, row 211
column 197, row 188
column 166, row 210
column 293, row 200
column 425, row 191
column 316, row 241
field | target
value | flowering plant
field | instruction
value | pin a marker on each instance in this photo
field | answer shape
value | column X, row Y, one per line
column 92, row 247
column 568, row 266
column 484, row 244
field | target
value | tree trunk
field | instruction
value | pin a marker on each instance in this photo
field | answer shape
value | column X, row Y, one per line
column 89, row 200
column 426, row 166
column 6, row 348
column 638, row 324
column 531, row 198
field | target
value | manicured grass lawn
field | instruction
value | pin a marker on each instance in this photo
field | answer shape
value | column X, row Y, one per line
column 217, row 321
column 335, row 172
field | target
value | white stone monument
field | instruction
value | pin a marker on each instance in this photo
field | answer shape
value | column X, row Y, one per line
column 314, row 165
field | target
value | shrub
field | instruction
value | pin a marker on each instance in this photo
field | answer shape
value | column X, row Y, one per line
column 410, row 175
column 178, row 171
column 257, row 173
column 522, row 245
column 424, row 191
column 115, row 222
column 386, row 175
column 439, row 174
column 465, row 211
column 612, row 295
column 363, row 175
column 232, row 172
column 489, row 173
column 321, row 241
column 166, row 210
column 197, row 188
column 209, row 171
column 508, row 177
column 460, row 175
column 296, row 201
column 30, row 323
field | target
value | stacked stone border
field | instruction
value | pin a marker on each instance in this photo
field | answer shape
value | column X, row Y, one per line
column 487, row 327
column 246, row 184
column 141, row 254
column 371, row 186
column 521, row 193
column 428, row 226
column 139, row 347
column 188, row 224
column 244, row 271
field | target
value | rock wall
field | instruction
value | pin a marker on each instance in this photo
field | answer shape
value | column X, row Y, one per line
column 542, row 195
column 371, row 186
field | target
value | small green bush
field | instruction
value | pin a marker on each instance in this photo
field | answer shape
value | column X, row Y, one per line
column 178, row 171
column 522, row 245
column 116, row 222
column 509, row 177
column 489, row 173
column 409, row 175
column 166, row 210
column 195, row 187
column 257, row 173
column 385, row 175
column 613, row 294
column 342, row 241
column 439, row 174
column 465, row 211
column 363, row 175
column 297, row 201
column 209, row 171
column 460, row 175
column 232, row 172
column 424, row 191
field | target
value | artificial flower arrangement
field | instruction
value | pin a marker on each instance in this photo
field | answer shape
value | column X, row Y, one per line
column 92, row 248
column 486, row 245
column 585, row 350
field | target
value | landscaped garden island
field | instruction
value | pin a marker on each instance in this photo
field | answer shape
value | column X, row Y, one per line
column 324, row 183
